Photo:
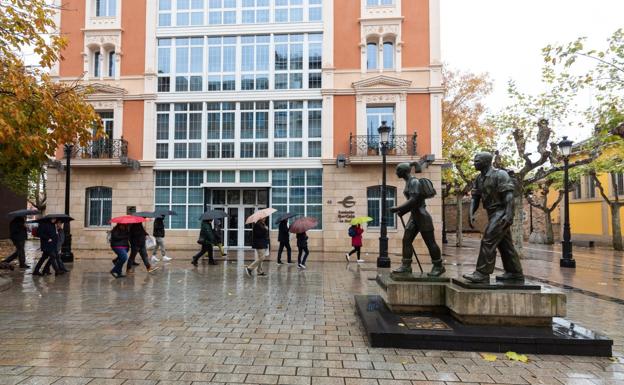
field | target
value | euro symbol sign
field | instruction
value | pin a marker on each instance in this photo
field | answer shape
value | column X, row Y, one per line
column 347, row 202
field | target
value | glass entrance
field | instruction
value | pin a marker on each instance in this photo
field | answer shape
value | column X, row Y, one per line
column 238, row 204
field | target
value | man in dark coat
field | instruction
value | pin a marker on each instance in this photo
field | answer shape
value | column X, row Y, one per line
column 137, row 236
column 159, row 237
column 48, row 239
column 260, row 243
column 18, row 235
column 206, row 239
column 283, row 237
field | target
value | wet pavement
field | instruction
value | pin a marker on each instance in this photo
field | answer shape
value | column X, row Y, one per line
column 213, row 325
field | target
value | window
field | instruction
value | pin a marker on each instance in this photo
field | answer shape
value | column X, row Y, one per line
column 288, row 11
column 221, row 12
column 388, row 55
column 315, row 10
column 376, row 3
column 288, row 61
column 190, row 12
column 255, row 62
column 189, row 63
column 105, row 8
column 111, row 64
column 373, row 195
column 181, row 192
column 221, row 63
column 576, row 190
column 288, row 129
column 162, row 131
column 164, row 65
column 374, row 116
column 164, row 13
column 254, row 129
column 255, row 11
column 187, row 126
column 220, row 130
column 314, row 128
column 96, row 64
column 371, row 56
column 99, row 206
column 618, row 188
column 298, row 192
column 590, row 185
column 315, row 52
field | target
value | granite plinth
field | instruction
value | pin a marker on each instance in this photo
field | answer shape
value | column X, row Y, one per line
column 505, row 304
column 496, row 285
column 386, row 329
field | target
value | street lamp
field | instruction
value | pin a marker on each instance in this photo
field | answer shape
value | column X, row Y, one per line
column 530, row 197
column 383, row 260
column 566, row 245
column 66, row 253
column 445, row 187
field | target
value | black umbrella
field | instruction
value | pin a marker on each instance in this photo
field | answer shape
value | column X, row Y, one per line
column 160, row 212
column 58, row 217
column 22, row 213
column 145, row 214
column 284, row 216
column 213, row 214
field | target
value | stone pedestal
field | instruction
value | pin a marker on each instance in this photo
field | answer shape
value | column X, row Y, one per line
column 414, row 293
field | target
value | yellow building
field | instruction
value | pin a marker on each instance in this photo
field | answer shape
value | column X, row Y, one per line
column 590, row 217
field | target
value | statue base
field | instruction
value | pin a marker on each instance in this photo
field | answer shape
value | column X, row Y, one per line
column 421, row 312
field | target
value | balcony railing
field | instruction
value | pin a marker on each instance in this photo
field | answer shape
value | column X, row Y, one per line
column 102, row 149
column 368, row 145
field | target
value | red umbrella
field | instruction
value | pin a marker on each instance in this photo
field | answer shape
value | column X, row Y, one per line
column 302, row 225
column 128, row 219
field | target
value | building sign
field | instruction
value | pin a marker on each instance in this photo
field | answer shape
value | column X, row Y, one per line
column 345, row 216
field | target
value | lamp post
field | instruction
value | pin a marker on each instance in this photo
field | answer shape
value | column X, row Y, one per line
column 383, row 260
column 530, row 214
column 66, row 252
column 566, row 245
column 444, row 190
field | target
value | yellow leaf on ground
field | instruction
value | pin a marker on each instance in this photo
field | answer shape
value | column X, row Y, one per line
column 488, row 357
column 517, row 357
column 401, row 324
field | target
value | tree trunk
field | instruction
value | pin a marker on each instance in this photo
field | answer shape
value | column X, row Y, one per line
column 517, row 229
column 550, row 236
column 460, row 220
column 616, row 227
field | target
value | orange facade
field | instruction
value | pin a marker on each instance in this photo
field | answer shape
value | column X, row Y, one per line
column 415, row 30
column 344, row 123
column 133, row 38
column 346, row 34
column 133, row 128
column 72, row 25
column 419, row 120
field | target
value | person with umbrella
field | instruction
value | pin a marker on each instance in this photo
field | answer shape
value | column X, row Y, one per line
column 48, row 238
column 206, row 239
column 355, row 232
column 137, row 236
column 283, row 237
column 260, row 243
column 59, row 247
column 119, row 241
column 18, row 235
column 159, row 237
column 299, row 227
column 218, row 230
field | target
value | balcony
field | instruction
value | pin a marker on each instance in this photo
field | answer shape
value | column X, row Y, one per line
column 102, row 153
column 367, row 149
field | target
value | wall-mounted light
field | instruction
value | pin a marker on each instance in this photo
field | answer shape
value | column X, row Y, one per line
column 341, row 161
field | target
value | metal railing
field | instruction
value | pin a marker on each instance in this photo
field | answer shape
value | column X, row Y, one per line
column 368, row 145
column 102, row 149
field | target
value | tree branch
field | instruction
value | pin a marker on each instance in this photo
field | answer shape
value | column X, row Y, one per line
column 600, row 188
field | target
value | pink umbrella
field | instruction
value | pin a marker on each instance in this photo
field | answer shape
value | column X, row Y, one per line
column 128, row 219
column 255, row 217
column 302, row 225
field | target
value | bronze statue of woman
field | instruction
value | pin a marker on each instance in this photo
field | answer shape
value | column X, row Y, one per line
column 420, row 221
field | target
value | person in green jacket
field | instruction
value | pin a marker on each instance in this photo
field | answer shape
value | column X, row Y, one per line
column 207, row 238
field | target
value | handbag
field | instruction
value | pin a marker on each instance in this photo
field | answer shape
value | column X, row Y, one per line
column 150, row 242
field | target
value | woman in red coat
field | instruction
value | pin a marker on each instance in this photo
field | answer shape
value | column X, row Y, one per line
column 356, row 242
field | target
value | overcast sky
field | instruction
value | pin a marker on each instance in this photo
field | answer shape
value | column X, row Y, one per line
column 505, row 37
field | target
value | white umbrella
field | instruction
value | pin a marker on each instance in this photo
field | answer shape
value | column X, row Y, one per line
column 255, row 217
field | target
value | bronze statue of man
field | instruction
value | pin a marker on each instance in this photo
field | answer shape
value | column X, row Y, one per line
column 495, row 189
column 420, row 221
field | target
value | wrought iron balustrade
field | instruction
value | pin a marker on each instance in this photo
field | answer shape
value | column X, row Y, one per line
column 102, row 149
column 369, row 145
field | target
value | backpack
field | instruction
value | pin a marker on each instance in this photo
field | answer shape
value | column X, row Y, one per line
column 426, row 188
column 352, row 231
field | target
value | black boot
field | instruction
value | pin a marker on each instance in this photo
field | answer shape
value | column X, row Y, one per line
column 437, row 270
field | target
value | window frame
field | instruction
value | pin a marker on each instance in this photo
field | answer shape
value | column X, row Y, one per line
column 89, row 200
column 390, row 201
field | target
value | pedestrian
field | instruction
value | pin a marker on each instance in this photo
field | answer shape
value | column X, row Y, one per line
column 137, row 235
column 206, row 239
column 18, row 235
column 48, row 238
column 302, row 245
column 159, row 236
column 355, row 232
column 283, row 237
column 218, row 230
column 119, row 242
column 260, row 244
column 59, row 247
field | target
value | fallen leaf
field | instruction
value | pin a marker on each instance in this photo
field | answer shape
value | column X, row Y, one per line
column 401, row 324
column 488, row 357
column 517, row 357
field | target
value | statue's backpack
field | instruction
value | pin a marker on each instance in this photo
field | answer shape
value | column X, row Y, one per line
column 426, row 188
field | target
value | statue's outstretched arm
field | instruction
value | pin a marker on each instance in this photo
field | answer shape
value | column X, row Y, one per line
column 405, row 207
